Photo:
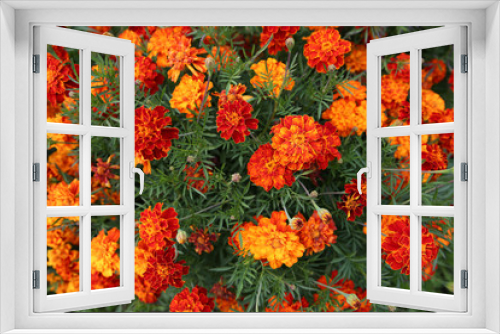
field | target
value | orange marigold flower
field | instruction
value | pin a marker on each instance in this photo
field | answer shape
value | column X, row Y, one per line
column 433, row 157
column 442, row 116
column 287, row 305
column 234, row 239
column 433, row 72
column 337, row 301
column 270, row 75
column 353, row 202
column 399, row 67
column 153, row 135
column 62, row 194
column 235, row 94
column 324, row 48
column 181, row 55
column 64, row 260
column 100, row 29
column 347, row 117
column 356, row 61
column 102, row 171
column 188, row 95
column 194, row 301
column 196, row 177
column 328, row 143
column 163, row 272
column 202, row 240
column 60, row 77
column 431, row 103
column 273, row 240
column 134, row 38
column 158, row 227
column 60, row 155
column 162, row 41
column 99, row 281
column 234, row 120
column 316, row 234
column 267, row 173
column 280, row 34
column 396, row 244
column 146, row 74
column 225, row 299
column 394, row 91
column 141, row 254
column 58, row 285
column 104, row 258
column 145, row 292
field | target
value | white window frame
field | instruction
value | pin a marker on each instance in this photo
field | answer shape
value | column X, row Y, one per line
column 484, row 103
column 414, row 43
column 86, row 43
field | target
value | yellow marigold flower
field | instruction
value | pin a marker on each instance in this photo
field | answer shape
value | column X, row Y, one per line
column 347, row 117
column 271, row 73
column 356, row 61
column 104, row 258
column 188, row 95
column 134, row 38
column 431, row 103
column 273, row 240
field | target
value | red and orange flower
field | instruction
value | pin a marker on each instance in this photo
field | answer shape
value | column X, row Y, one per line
column 163, row 272
column 279, row 34
column 202, row 240
column 147, row 75
column 194, row 301
column 158, row 227
column 317, row 233
column 324, row 48
column 234, row 121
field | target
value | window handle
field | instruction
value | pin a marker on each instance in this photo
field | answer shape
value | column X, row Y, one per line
column 141, row 176
column 368, row 171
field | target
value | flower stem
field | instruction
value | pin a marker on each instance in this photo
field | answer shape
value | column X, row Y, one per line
column 204, row 98
column 203, row 210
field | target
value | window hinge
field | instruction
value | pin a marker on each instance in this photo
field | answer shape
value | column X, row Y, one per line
column 464, row 279
column 36, row 172
column 36, row 63
column 464, row 171
column 36, row 279
column 465, row 64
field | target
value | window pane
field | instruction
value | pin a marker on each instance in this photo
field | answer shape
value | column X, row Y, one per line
column 395, row 170
column 395, row 89
column 105, row 90
column 437, row 85
column 63, row 181
column 105, row 252
column 395, row 232
column 63, row 85
column 437, row 169
column 63, row 255
column 105, row 171
column 437, row 254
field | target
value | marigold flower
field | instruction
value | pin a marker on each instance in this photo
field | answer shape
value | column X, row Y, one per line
column 162, row 41
column 202, row 240
column 317, row 233
column 273, row 240
column 328, row 144
column 279, row 34
column 433, row 157
column 356, row 297
column 356, row 61
column 225, row 299
column 393, row 91
column 144, row 32
column 196, row 177
column 431, row 103
column 100, row 29
column 99, row 281
column 297, row 223
column 234, row 120
column 145, row 292
column 399, row 67
column 104, row 258
column 325, row 47
column 146, row 74
column 134, row 38
column 188, row 95
column 235, row 94
column 433, row 72
column 62, row 194
column 234, row 239
column 58, row 285
column 141, row 254
column 223, row 56
column 194, row 301
column 158, row 227
column 60, row 157
column 442, row 116
column 153, row 135
column 265, row 172
column 64, row 260
column 347, row 117
column 163, row 272
column 60, row 77
column 270, row 75
column 181, row 55
column 353, row 202
column 287, row 305
column 102, row 171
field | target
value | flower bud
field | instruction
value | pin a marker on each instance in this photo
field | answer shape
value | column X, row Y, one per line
column 353, row 301
column 107, row 33
column 233, row 217
column 391, row 308
column 331, row 68
column 313, row 194
column 190, row 159
column 297, row 223
column 181, row 237
column 290, row 43
column 172, row 168
column 325, row 215
column 340, row 161
column 209, row 63
column 236, row 177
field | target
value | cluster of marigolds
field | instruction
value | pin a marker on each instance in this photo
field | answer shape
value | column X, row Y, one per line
column 299, row 143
